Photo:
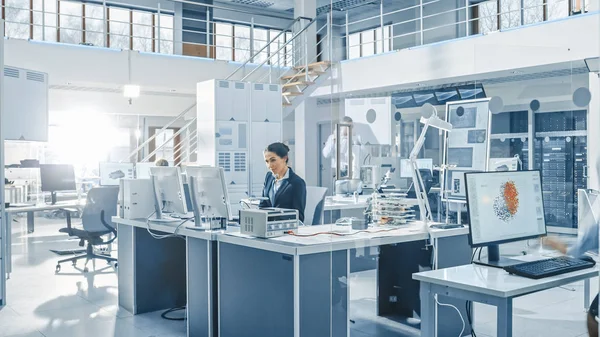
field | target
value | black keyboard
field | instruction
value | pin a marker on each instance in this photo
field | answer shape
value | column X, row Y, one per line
column 549, row 267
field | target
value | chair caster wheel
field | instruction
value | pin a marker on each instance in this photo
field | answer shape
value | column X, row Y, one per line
column 85, row 270
column 57, row 268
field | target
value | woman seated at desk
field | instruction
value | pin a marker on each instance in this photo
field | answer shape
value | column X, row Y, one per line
column 283, row 188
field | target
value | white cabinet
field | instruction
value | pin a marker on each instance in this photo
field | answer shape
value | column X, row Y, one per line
column 25, row 105
column 232, row 132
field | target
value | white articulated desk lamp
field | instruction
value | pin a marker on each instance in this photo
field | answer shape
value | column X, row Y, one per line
column 429, row 119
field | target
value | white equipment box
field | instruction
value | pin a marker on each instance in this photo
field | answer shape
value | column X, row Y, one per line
column 268, row 222
column 136, row 198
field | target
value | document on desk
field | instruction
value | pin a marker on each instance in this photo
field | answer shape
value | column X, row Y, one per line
column 324, row 234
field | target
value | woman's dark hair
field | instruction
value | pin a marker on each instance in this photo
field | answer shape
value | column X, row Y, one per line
column 280, row 149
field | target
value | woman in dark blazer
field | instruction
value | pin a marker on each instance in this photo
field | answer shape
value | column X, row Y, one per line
column 283, row 187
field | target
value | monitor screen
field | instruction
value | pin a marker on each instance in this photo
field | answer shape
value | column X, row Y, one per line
column 110, row 173
column 168, row 191
column 55, row 177
column 208, row 191
column 504, row 207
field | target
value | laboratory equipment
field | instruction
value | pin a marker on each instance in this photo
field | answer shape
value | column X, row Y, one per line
column 169, row 196
column 549, row 267
column 370, row 175
column 504, row 207
column 391, row 208
column 422, row 163
column 268, row 222
column 56, row 177
column 210, row 198
column 504, row 164
column 136, row 198
column 347, row 186
column 110, row 173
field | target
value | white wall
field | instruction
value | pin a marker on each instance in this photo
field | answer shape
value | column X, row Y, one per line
column 474, row 57
column 91, row 79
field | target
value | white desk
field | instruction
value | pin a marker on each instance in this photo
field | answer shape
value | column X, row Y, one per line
column 487, row 285
column 30, row 210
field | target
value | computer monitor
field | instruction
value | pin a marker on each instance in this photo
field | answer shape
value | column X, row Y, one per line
column 504, row 207
column 208, row 191
column 169, row 195
column 142, row 170
column 406, row 169
column 111, row 173
column 55, row 177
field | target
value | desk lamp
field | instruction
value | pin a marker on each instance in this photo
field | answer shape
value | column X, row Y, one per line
column 430, row 119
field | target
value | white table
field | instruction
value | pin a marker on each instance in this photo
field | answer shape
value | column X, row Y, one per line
column 487, row 285
column 30, row 210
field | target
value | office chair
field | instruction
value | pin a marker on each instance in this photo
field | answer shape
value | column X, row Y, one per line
column 315, row 203
column 101, row 205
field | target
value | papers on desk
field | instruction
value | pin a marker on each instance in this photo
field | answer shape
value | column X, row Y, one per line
column 368, row 234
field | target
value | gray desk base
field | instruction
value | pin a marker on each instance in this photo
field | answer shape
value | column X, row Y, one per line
column 259, row 289
column 152, row 273
column 168, row 273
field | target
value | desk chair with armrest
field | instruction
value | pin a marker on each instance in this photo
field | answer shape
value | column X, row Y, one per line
column 101, row 205
column 315, row 203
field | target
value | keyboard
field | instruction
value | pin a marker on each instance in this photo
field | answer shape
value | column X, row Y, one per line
column 549, row 267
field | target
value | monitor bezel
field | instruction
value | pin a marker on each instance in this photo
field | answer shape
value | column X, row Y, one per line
column 485, row 244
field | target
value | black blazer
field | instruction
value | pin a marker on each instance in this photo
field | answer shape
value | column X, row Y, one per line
column 291, row 193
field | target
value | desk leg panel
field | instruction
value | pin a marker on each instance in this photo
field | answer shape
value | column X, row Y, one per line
column 324, row 294
column 256, row 292
column 452, row 251
column 201, row 287
column 397, row 292
column 152, row 273
column 427, row 310
column 30, row 222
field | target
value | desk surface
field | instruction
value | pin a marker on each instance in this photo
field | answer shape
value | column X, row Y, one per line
column 170, row 228
column 46, row 207
column 497, row 282
column 294, row 245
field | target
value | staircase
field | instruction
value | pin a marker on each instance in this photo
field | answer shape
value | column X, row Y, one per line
column 298, row 82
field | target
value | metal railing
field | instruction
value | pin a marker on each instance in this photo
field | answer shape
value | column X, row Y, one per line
column 119, row 25
column 427, row 25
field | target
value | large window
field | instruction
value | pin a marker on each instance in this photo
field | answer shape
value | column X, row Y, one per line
column 224, row 41
column 78, row 22
column 501, row 14
column 370, row 42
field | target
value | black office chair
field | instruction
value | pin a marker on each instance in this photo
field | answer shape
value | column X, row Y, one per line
column 101, row 205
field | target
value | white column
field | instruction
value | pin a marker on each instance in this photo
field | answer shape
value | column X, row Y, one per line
column 307, row 148
column 593, row 146
column 178, row 28
column 307, row 9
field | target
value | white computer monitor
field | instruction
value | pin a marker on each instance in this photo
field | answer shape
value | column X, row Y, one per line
column 168, row 192
column 110, row 173
column 208, row 191
column 504, row 207
column 406, row 170
column 142, row 170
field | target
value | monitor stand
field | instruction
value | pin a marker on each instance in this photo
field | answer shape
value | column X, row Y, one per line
column 53, row 197
column 495, row 260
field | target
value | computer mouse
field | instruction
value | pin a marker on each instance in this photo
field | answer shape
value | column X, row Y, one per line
column 587, row 258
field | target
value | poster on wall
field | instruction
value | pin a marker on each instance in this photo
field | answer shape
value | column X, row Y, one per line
column 468, row 145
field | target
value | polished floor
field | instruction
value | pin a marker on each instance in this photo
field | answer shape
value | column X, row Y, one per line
column 71, row 303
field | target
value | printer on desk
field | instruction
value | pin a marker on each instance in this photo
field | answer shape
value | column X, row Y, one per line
column 268, row 222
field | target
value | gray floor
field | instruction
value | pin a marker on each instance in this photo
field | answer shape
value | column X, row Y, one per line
column 41, row 303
